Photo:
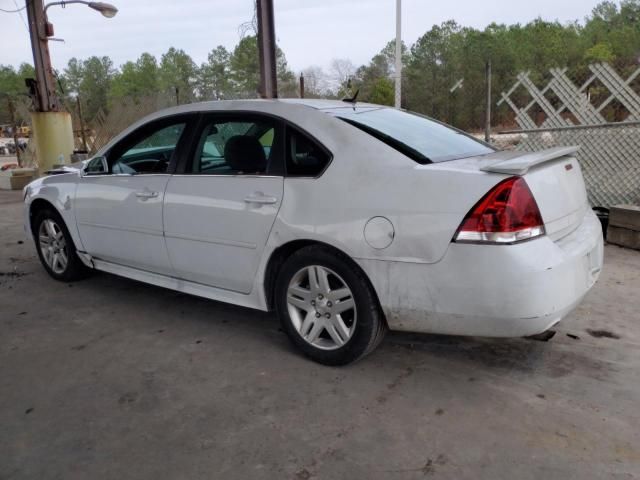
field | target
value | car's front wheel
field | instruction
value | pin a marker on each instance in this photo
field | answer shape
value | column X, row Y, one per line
column 55, row 247
column 327, row 307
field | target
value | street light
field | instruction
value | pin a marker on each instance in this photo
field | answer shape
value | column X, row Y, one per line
column 106, row 9
column 51, row 125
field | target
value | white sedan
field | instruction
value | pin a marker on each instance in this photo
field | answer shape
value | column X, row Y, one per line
column 346, row 219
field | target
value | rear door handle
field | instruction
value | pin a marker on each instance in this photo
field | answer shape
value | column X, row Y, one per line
column 144, row 194
column 260, row 199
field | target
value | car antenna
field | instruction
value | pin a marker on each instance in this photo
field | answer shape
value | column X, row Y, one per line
column 352, row 99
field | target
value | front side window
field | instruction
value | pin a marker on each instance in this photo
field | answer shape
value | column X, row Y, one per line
column 237, row 147
column 420, row 138
column 150, row 152
column 96, row 166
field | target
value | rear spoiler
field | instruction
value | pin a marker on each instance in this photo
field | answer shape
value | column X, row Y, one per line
column 521, row 164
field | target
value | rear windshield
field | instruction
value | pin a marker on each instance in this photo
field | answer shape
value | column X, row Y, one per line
column 420, row 138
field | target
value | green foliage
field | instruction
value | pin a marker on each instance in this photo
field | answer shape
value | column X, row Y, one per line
column 245, row 69
column 448, row 52
column 178, row 75
column 12, row 86
column 367, row 79
column 439, row 58
column 12, row 80
column 137, row 79
column 600, row 52
column 383, row 92
column 90, row 79
column 214, row 81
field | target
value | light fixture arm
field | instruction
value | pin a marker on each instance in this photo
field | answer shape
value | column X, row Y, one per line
column 105, row 9
column 62, row 4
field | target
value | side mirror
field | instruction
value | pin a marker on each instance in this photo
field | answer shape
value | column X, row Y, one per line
column 96, row 166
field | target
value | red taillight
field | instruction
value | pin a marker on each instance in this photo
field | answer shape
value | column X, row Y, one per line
column 507, row 214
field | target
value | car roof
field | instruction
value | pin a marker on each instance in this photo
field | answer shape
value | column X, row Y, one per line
column 326, row 104
column 289, row 107
column 260, row 104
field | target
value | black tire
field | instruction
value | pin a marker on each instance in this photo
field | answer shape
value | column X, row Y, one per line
column 371, row 325
column 75, row 269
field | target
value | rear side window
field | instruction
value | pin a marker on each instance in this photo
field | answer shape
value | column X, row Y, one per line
column 238, row 146
column 305, row 157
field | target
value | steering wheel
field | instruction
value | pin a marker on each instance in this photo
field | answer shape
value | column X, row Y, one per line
column 162, row 164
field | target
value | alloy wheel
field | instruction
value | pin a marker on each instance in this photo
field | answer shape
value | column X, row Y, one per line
column 321, row 307
column 53, row 246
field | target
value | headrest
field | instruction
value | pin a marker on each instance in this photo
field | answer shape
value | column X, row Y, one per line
column 245, row 154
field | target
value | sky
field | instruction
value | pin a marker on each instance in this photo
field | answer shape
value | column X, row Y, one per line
column 311, row 32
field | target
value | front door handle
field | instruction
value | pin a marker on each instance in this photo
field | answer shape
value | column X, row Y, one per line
column 260, row 199
column 144, row 194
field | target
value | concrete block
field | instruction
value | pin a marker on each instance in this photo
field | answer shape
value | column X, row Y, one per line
column 623, row 237
column 625, row 216
column 16, row 179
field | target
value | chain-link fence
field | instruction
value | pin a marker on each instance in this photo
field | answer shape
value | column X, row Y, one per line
column 609, row 156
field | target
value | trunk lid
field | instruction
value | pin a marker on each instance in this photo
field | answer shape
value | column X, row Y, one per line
column 553, row 176
column 559, row 190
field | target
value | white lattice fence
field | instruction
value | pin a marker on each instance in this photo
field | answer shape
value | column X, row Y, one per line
column 564, row 103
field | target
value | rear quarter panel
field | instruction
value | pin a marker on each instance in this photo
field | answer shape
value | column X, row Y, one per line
column 367, row 178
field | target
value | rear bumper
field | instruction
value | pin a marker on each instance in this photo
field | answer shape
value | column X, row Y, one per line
column 492, row 290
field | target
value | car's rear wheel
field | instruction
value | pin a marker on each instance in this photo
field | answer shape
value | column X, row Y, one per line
column 327, row 307
column 55, row 247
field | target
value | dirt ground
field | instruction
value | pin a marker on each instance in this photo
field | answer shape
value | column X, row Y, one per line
column 112, row 379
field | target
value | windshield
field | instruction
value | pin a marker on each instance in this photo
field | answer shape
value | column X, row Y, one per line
column 420, row 138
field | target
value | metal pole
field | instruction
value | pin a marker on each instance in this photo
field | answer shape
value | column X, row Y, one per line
column 82, row 132
column 398, row 53
column 301, row 85
column 451, row 107
column 267, row 49
column 487, row 122
column 46, row 85
column 14, row 127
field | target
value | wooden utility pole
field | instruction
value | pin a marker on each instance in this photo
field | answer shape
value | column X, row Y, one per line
column 301, row 85
column 267, row 49
column 47, row 100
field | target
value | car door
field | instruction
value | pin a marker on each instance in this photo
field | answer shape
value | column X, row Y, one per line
column 119, row 212
column 219, row 209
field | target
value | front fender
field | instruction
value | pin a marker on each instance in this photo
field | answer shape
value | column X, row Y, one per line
column 59, row 191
